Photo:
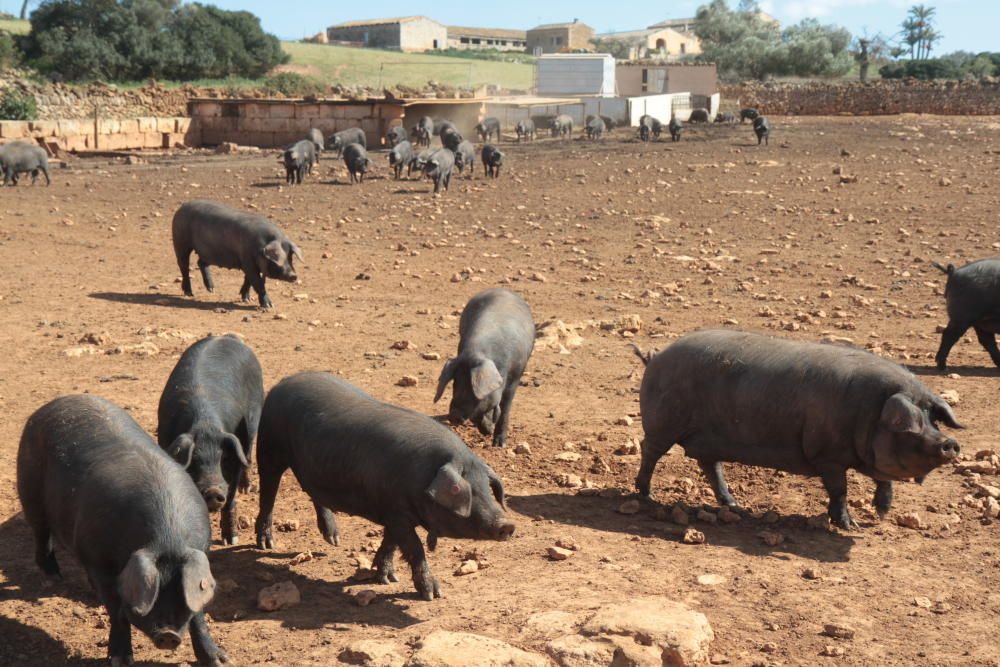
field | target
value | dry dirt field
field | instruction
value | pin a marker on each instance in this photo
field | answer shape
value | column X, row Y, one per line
column 712, row 231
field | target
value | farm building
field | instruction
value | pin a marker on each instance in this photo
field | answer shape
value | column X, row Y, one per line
column 633, row 79
column 410, row 33
column 460, row 37
column 560, row 37
column 576, row 74
column 665, row 43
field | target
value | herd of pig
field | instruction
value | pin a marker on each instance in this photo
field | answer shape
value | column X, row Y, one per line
column 135, row 512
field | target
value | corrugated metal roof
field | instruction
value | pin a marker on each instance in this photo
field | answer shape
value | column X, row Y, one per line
column 389, row 21
column 502, row 33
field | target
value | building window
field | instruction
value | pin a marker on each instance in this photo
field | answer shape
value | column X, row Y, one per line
column 464, row 40
column 683, row 49
column 435, row 44
column 476, row 41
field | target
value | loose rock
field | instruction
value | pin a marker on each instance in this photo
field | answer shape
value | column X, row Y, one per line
column 281, row 595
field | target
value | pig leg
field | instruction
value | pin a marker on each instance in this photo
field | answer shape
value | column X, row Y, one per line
column 245, row 290
column 230, row 530
column 206, row 275
column 949, row 337
column 500, row 433
column 270, row 473
column 205, row 648
column 413, row 551
column 883, row 498
column 120, row 637
column 989, row 342
column 384, row 561
column 652, row 451
column 835, row 481
column 713, row 472
column 45, row 555
column 258, row 282
column 327, row 524
column 184, row 263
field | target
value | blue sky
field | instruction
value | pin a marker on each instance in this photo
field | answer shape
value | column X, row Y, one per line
column 970, row 25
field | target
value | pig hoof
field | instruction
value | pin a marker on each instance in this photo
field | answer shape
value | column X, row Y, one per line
column 332, row 538
column 121, row 661
column 231, row 541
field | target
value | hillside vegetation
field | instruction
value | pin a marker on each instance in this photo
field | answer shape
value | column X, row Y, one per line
column 351, row 66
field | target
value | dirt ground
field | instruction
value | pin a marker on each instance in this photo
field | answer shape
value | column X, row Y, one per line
column 712, row 231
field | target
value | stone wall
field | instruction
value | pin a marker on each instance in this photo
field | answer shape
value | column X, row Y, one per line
column 105, row 134
column 960, row 98
column 273, row 123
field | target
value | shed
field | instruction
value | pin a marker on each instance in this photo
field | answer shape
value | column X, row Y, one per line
column 576, row 74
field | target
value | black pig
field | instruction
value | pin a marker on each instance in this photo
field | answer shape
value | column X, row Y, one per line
column 492, row 160
column 208, row 417
column 352, row 453
column 344, row 138
column 496, row 336
column 92, row 479
column 973, row 297
column 232, row 239
column 762, row 129
column 805, row 408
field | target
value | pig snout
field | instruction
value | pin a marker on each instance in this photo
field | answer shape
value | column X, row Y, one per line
column 215, row 498
column 505, row 531
column 166, row 640
column 948, row 450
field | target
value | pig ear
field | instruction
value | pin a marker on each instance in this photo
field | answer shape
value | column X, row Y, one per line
column 197, row 580
column 297, row 253
column 447, row 375
column 900, row 415
column 496, row 486
column 451, row 490
column 237, row 448
column 941, row 411
column 275, row 253
column 182, row 449
column 139, row 583
column 485, row 379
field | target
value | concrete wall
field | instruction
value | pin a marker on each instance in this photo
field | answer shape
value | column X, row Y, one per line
column 697, row 79
column 962, row 98
column 509, row 113
column 275, row 123
column 574, row 74
column 105, row 134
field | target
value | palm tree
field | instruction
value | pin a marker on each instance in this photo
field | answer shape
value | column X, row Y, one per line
column 24, row 9
column 918, row 32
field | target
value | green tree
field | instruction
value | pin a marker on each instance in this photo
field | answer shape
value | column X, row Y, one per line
column 616, row 47
column 127, row 40
column 919, row 33
column 744, row 45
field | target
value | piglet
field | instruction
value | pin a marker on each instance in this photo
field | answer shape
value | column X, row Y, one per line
column 496, row 337
column 92, row 479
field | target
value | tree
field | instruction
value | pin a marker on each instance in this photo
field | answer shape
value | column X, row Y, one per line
column 870, row 50
column 918, row 31
column 616, row 47
column 24, row 9
column 128, row 40
column 744, row 45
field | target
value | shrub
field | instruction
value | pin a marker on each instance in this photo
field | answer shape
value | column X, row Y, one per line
column 17, row 105
column 9, row 54
column 292, row 84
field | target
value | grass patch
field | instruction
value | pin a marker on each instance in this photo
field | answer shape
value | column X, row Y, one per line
column 15, row 26
column 350, row 66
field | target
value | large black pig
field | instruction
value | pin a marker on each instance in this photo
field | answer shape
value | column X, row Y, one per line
column 208, row 417
column 90, row 477
column 973, row 297
column 806, row 408
column 352, row 453
column 232, row 239
column 496, row 337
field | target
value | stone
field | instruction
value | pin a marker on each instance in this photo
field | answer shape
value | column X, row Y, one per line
column 467, row 567
column 559, row 553
column 950, row 397
column 567, row 543
column 403, row 345
column 371, row 653
column 365, row 597
column 578, row 651
column 771, row 538
column 832, row 651
column 430, row 356
column 461, row 649
column 681, row 634
column 679, row 516
column 281, row 595
column 911, row 520
column 569, row 481
column 710, row 579
column 522, row 448
column 726, row 515
column 552, row 623
column 706, row 517
column 629, row 507
column 407, row 381
column 838, row 631
column 692, row 536
column 812, row 573
column 570, row 457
